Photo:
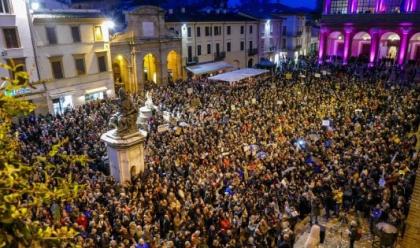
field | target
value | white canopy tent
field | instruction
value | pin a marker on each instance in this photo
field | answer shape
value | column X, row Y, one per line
column 209, row 67
column 238, row 75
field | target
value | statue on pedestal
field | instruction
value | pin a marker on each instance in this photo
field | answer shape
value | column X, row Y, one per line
column 124, row 121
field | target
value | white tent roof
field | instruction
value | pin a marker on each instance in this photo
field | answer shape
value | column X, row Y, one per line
column 238, row 75
column 209, row 67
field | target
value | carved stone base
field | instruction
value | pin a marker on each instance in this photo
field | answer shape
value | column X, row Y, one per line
column 126, row 154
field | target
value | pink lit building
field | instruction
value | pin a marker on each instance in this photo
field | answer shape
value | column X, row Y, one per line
column 373, row 29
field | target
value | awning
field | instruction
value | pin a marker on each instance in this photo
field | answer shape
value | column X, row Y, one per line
column 209, row 67
column 238, row 75
column 265, row 63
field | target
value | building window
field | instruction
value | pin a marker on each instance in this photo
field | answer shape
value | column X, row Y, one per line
column 79, row 61
column 198, row 50
column 51, row 35
column 250, row 44
column 11, row 37
column 5, row 7
column 366, row 6
column 20, row 65
column 228, row 30
column 283, row 45
column 208, row 31
column 57, row 67
column 284, row 30
column 189, row 53
column 242, row 29
column 98, row 33
column 75, row 33
column 228, row 46
column 339, row 7
column 208, row 48
column 189, row 32
column 242, row 45
column 198, row 32
column 102, row 62
column 217, row 48
column 250, row 29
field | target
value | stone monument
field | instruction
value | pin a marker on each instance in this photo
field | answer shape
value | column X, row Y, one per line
column 125, row 144
column 146, row 112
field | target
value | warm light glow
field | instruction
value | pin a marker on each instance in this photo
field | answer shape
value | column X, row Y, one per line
column 96, row 90
column 393, row 37
column 120, row 57
column 98, row 33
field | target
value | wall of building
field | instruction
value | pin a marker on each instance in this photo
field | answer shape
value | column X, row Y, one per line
column 18, row 18
column 77, row 86
column 236, row 56
column 296, row 33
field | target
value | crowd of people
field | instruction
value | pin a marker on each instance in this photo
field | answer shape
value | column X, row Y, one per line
column 248, row 163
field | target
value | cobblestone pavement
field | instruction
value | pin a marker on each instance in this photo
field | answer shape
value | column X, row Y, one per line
column 337, row 235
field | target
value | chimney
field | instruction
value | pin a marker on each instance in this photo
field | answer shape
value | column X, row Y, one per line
column 171, row 11
column 183, row 10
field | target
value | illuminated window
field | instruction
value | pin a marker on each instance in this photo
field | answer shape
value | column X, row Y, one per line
column 339, row 7
column 98, row 33
column 5, row 7
column 11, row 37
column 366, row 6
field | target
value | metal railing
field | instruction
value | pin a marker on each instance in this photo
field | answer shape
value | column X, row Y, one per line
column 191, row 60
column 219, row 56
column 252, row 51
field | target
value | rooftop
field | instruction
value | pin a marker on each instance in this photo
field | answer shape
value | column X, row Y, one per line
column 67, row 14
column 217, row 15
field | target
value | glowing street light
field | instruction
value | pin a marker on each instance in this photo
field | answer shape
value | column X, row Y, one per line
column 110, row 24
column 35, row 5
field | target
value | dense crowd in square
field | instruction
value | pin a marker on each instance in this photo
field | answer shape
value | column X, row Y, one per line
column 248, row 163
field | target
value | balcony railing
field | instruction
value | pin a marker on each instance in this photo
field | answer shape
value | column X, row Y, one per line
column 298, row 47
column 191, row 60
column 219, row 56
column 252, row 51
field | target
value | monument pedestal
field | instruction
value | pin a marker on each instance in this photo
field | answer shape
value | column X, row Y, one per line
column 126, row 154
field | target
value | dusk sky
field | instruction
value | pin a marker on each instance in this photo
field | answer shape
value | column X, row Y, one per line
column 292, row 3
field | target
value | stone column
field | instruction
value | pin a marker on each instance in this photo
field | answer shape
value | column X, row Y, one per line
column 352, row 6
column 347, row 43
column 125, row 155
column 140, row 73
column 323, row 35
column 327, row 7
column 403, row 45
column 412, row 232
column 374, row 42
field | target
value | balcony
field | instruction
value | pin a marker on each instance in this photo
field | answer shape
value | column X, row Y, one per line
column 378, row 19
column 191, row 60
column 219, row 56
column 299, row 33
column 298, row 47
column 252, row 51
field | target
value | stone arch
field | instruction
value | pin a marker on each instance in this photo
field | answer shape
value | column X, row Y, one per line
column 335, row 44
column 236, row 64
column 361, row 44
column 389, row 45
column 173, row 65
column 250, row 62
column 150, row 68
column 414, row 47
column 120, row 69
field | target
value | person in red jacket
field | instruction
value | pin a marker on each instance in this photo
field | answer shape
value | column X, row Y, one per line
column 83, row 221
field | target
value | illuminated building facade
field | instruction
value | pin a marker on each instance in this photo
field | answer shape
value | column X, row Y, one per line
column 370, row 29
